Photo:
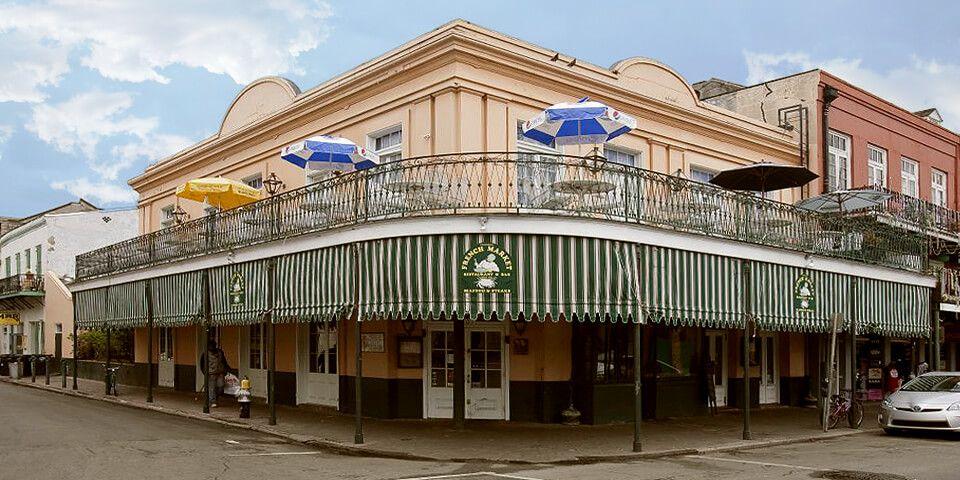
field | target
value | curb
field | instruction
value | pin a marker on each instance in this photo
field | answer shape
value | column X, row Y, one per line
column 363, row 451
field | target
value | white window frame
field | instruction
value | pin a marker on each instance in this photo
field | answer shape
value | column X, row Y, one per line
column 910, row 178
column 387, row 151
column 254, row 181
column 938, row 190
column 634, row 155
column 698, row 168
column 166, row 215
column 839, row 167
column 876, row 166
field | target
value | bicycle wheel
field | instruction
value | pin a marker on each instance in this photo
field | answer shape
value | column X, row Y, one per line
column 833, row 420
column 855, row 415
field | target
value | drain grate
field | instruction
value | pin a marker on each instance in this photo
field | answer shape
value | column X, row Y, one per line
column 854, row 475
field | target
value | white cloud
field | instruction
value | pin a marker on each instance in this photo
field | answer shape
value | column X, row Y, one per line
column 134, row 41
column 6, row 131
column 29, row 63
column 99, row 192
column 81, row 124
column 919, row 83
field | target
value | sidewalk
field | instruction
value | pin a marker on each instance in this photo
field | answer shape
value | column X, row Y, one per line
column 493, row 441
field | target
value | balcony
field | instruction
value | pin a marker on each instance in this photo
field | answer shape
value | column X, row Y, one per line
column 516, row 183
column 921, row 216
column 21, row 291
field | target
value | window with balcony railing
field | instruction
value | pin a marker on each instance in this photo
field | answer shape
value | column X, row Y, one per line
column 838, row 166
column 876, row 166
column 908, row 177
column 938, row 188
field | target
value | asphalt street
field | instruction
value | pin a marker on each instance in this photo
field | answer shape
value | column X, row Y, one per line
column 49, row 436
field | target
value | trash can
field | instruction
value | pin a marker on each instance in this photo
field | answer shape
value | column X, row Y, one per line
column 16, row 370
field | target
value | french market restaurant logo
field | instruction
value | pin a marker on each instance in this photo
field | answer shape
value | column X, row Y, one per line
column 804, row 295
column 238, row 290
column 486, row 268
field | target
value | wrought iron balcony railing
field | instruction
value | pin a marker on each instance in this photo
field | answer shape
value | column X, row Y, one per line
column 516, row 183
column 23, row 283
column 919, row 215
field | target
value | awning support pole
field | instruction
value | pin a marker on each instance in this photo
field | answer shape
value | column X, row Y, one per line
column 747, row 435
column 854, row 367
column 358, row 352
column 935, row 335
column 459, row 375
column 106, row 370
column 637, row 387
column 75, row 343
column 150, row 369
column 272, row 372
column 206, row 340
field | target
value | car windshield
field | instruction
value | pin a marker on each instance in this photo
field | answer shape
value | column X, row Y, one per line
column 934, row 383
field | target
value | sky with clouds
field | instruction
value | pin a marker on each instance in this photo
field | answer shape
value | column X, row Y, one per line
column 92, row 91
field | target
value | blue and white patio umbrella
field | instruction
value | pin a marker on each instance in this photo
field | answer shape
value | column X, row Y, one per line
column 579, row 123
column 325, row 152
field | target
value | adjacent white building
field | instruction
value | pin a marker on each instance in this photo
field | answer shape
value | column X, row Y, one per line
column 37, row 258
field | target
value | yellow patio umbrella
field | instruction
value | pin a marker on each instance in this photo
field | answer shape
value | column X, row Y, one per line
column 222, row 193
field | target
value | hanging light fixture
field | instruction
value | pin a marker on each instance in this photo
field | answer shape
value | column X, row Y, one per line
column 273, row 184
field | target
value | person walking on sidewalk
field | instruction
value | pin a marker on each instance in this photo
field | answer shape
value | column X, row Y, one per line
column 218, row 369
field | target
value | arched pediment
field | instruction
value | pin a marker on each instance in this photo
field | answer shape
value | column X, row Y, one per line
column 257, row 100
column 654, row 79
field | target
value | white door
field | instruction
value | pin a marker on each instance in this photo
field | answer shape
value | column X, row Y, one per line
column 717, row 353
column 769, row 376
column 253, row 358
column 317, row 380
column 486, row 373
column 439, row 372
column 165, row 363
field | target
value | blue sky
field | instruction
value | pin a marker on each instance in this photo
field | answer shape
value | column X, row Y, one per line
column 91, row 92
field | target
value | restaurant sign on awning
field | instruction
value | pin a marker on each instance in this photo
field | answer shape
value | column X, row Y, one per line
column 486, row 269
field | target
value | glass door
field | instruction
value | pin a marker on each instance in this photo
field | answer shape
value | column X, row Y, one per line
column 485, row 375
column 165, row 362
column 440, row 373
column 717, row 362
column 318, row 382
column 769, row 375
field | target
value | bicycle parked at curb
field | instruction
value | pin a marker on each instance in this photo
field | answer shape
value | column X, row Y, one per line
column 842, row 407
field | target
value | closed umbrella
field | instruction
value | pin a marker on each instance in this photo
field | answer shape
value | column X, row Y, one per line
column 326, row 152
column 842, row 201
column 763, row 177
column 579, row 123
column 218, row 192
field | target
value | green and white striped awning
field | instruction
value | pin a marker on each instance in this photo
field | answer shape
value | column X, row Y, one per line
column 177, row 299
column 686, row 288
column 583, row 278
column 775, row 301
column 238, row 293
column 127, row 305
column 315, row 285
column 892, row 309
column 91, row 308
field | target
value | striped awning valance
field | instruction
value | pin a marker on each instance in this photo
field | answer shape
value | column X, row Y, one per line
column 315, row 285
column 892, row 309
column 775, row 299
column 91, row 308
column 177, row 299
column 127, row 305
column 680, row 287
column 238, row 293
column 582, row 278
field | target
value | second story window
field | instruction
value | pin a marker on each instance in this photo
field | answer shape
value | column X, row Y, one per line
column 39, row 259
column 938, row 188
column 623, row 157
column 166, row 216
column 19, row 266
column 701, row 175
column 908, row 177
column 838, row 162
column 255, row 181
column 8, row 267
column 387, row 144
column 876, row 166
column 26, row 253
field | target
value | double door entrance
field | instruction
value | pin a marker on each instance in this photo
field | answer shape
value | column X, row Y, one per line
column 485, row 370
column 764, row 357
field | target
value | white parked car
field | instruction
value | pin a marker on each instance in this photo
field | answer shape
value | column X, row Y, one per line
column 928, row 402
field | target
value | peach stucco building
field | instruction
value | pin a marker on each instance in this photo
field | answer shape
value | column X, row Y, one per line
column 449, row 104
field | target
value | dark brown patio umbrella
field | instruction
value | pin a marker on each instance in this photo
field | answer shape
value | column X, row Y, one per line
column 764, row 177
